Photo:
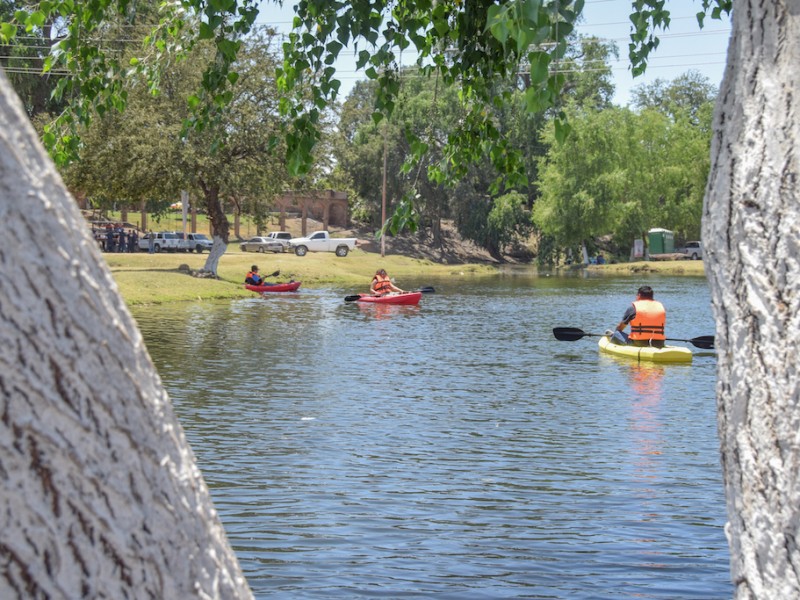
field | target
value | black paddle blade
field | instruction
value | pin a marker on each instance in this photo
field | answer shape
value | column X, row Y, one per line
column 568, row 334
column 427, row 290
column 706, row 342
column 352, row 298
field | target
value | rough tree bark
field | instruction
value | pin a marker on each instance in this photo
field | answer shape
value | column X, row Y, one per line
column 751, row 224
column 219, row 225
column 99, row 490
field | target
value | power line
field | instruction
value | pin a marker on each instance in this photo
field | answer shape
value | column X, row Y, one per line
column 349, row 74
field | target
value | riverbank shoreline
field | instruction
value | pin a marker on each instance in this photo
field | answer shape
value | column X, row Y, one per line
column 144, row 278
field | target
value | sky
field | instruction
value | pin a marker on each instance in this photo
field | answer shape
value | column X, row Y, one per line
column 683, row 47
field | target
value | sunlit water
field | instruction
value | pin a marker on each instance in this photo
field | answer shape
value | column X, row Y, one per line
column 454, row 449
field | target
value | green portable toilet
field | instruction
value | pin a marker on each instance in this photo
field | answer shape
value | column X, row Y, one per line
column 660, row 241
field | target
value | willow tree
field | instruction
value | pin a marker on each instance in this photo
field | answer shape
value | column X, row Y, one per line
column 750, row 229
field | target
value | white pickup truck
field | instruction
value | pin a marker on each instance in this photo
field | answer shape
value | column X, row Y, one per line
column 321, row 241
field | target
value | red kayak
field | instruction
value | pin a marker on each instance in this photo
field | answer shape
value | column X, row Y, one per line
column 274, row 287
column 404, row 298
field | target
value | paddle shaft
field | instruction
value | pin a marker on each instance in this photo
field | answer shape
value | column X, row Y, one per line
column 572, row 334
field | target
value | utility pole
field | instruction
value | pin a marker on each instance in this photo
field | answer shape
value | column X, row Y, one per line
column 383, row 200
column 184, row 209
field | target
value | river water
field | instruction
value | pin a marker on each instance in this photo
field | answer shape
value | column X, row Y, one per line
column 453, row 450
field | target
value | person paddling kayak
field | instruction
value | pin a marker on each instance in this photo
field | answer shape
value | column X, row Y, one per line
column 647, row 318
column 253, row 277
column 382, row 285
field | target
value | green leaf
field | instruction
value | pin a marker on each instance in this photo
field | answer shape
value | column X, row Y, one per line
column 535, row 100
column 363, row 59
column 36, row 19
column 497, row 23
column 524, row 39
column 334, row 47
column 7, row 32
column 562, row 130
column 49, row 139
column 540, row 64
column 228, row 48
column 701, row 16
column 206, row 32
column 530, row 9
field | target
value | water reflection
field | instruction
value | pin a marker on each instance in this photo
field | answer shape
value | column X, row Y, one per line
column 452, row 449
column 376, row 310
column 646, row 386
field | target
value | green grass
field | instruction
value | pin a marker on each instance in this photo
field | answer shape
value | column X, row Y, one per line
column 145, row 278
column 664, row 267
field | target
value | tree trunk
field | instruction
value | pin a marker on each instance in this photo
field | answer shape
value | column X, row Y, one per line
column 751, row 223
column 237, row 222
column 220, row 226
column 143, row 211
column 100, row 491
column 436, row 230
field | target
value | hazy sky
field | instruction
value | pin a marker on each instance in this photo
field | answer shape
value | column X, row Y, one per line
column 683, row 46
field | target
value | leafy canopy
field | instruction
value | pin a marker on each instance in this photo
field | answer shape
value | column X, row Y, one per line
column 473, row 45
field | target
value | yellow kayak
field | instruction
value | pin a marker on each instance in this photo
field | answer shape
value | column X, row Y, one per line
column 667, row 354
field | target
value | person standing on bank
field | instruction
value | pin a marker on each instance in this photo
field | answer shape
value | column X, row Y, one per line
column 647, row 318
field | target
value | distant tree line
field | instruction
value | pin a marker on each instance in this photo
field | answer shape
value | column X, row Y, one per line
column 620, row 172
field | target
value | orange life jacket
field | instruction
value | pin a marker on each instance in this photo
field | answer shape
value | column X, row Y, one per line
column 383, row 285
column 253, row 277
column 648, row 324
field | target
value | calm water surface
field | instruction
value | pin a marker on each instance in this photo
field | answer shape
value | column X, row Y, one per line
column 454, row 449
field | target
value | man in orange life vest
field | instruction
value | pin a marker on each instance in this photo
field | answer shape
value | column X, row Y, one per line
column 253, row 278
column 382, row 285
column 647, row 318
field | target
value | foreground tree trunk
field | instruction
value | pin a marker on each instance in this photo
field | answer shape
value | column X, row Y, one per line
column 751, row 228
column 100, row 492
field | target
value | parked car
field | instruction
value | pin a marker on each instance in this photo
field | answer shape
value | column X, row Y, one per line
column 194, row 242
column 282, row 237
column 694, row 250
column 261, row 244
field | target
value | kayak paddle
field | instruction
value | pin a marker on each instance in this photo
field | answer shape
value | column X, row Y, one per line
column 425, row 290
column 572, row 334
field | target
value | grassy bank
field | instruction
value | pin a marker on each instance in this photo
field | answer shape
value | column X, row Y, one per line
column 154, row 278
column 666, row 267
